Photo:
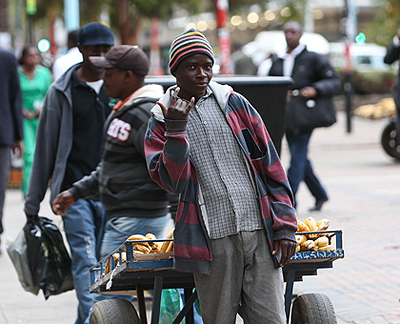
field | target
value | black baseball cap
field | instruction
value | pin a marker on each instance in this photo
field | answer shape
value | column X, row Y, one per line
column 124, row 57
column 94, row 34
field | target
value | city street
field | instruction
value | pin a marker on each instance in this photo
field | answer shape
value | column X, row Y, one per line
column 363, row 184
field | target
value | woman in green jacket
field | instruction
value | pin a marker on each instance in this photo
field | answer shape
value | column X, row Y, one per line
column 34, row 79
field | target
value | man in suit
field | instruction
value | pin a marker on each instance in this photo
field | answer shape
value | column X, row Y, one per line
column 11, row 130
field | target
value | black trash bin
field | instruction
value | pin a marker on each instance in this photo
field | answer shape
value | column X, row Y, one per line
column 266, row 94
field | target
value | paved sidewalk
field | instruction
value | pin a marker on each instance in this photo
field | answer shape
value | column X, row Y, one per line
column 363, row 184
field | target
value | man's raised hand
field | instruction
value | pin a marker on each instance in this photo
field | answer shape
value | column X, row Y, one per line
column 177, row 108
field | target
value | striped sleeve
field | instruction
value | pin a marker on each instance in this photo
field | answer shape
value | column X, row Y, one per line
column 167, row 154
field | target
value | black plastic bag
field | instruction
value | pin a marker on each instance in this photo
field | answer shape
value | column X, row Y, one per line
column 49, row 261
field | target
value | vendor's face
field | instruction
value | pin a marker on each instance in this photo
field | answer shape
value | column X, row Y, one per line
column 114, row 82
column 193, row 75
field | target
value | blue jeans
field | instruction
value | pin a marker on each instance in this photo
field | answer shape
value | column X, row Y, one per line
column 84, row 228
column 118, row 229
column 300, row 166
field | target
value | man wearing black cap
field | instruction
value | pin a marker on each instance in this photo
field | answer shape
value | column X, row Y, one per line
column 68, row 148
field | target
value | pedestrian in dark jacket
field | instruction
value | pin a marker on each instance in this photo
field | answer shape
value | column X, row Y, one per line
column 11, row 129
column 135, row 204
column 68, row 147
column 235, row 222
column 312, row 75
column 392, row 55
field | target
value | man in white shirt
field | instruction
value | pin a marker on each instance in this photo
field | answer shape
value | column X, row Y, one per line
column 73, row 56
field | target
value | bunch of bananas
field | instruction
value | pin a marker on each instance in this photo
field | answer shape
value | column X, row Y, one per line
column 151, row 247
column 384, row 108
column 315, row 241
column 142, row 247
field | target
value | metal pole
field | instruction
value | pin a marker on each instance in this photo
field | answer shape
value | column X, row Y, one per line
column 222, row 11
column 351, row 27
column 308, row 17
column 71, row 14
column 30, row 30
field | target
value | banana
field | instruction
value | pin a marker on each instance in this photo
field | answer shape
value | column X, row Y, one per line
column 139, row 237
column 136, row 237
column 307, row 245
column 156, row 247
column 300, row 239
column 151, row 236
column 320, row 243
column 301, row 227
column 170, row 247
column 153, row 245
column 141, row 248
column 326, row 248
column 323, row 224
column 165, row 245
column 310, row 222
column 107, row 267
column 297, row 248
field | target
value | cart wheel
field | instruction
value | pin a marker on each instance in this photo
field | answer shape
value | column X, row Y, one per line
column 313, row 309
column 114, row 311
column 389, row 141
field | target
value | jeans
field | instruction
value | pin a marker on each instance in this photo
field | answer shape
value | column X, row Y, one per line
column 117, row 230
column 300, row 166
column 84, row 228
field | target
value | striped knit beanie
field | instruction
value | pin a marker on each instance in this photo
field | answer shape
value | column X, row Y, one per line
column 188, row 43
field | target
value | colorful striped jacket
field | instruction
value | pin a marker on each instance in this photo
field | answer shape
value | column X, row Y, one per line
column 168, row 158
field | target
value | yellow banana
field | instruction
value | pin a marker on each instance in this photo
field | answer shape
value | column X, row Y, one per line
column 297, row 248
column 170, row 247
column 323, row 224
column 307, row 245
column 310, row 222
column 151, row 236
column 136, row 237
column 165, row 245
column 301, row 227
column 156, row 247
column 320, row 242
column 153, row 245
column 326, row 248
column 107, row 268
column 141, row 248
column 139, row 237
column 300, row 239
